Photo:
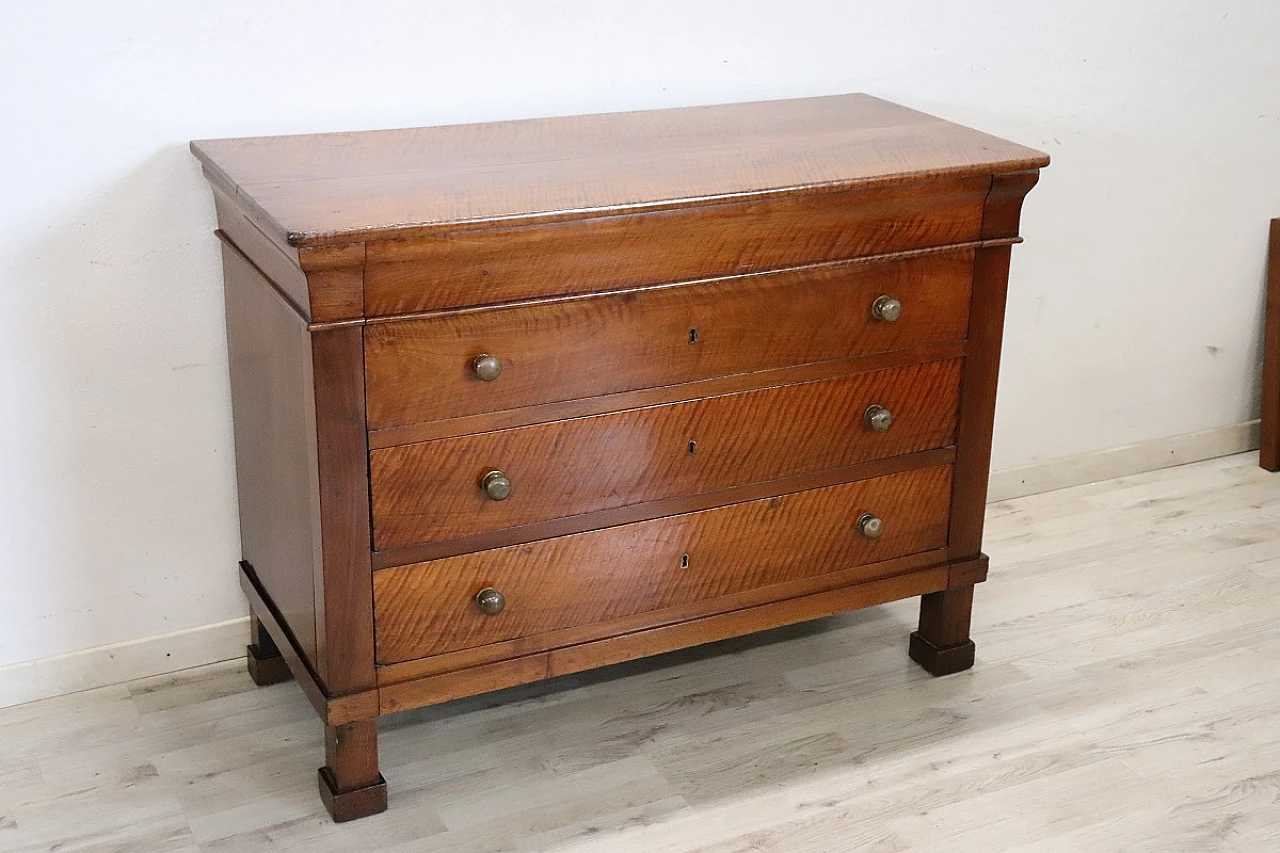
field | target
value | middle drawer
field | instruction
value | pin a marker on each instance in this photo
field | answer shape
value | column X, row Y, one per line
column 454, row 487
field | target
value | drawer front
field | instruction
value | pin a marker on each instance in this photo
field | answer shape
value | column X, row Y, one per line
column 421, row 370
column 494, row 264
column 592, row 578
column 433, row 491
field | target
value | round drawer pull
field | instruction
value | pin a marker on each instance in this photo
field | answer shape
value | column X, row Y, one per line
column 870, row 525
column 886, row 308
column 490, row 601
column 487, row 367
column 496, row 486
column 878, row 418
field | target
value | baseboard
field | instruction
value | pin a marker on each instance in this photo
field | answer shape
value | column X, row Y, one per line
column 1122, row 461
column 105, row 665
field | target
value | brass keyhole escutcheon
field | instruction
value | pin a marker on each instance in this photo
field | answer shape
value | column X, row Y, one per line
column 693, row 448
column 684, row 561
column 693, row 336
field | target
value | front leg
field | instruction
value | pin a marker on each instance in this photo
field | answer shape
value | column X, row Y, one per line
column 942, row 645
column 350, row 783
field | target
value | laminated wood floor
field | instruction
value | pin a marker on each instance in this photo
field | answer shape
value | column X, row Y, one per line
column 1126, row 697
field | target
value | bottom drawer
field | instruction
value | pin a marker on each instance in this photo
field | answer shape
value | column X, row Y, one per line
column 595, row 577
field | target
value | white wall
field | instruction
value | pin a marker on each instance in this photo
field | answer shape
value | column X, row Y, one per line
column 1135, row 303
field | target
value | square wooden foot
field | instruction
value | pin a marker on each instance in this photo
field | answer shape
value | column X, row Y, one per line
column 266, row 669
column 356, row 803
column 942, row 661
column 266, row 663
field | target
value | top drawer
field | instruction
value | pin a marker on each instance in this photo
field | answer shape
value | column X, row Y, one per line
column 483, row 266
column 422, row 370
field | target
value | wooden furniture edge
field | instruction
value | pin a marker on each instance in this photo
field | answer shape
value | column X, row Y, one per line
column 333, row 709
column 430, row 690
column 324, row 284
column 280, row 292
column 1012, row 157
column 343, row 577
column 1269, row 442
column 860, row 260
column 1001, row 214
column 343, row 570
column 968, row 572
column 421, row 231
column 466, row 658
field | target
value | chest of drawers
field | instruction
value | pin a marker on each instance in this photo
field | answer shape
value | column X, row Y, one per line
column 521, row 399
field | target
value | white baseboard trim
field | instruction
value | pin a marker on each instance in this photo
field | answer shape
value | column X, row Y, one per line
column 1151, row 455
column 106, row 665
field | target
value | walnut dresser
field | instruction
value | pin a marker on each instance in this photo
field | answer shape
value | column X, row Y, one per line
column 520, row 399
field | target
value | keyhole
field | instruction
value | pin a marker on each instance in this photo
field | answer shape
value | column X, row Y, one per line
column 693, row 336
column 693, row 448
column 684, row 561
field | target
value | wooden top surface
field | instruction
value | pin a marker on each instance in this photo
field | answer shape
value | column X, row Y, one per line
column 318, row 189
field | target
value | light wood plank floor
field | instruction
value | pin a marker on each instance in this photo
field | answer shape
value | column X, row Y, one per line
column 1126, row 698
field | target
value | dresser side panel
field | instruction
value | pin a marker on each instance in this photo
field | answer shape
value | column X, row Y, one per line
column 270, row 363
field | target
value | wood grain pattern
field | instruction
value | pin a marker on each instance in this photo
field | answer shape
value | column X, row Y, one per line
column 431, row 491
column 1269, row 442
column 681, row 300
column 434, row 689
column 344, row 597
column 269, row 357
column 421, row 552
column 426, row 609
column 314, row 189
column 654, row 247
column 420, row 370
column 738, row 622
column 659, row 396
column 335, row 281
column 470, row 659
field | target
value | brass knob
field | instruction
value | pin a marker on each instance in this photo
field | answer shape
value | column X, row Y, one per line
column 878, row 418
column 496, row 486
column 490, row 601
column 886, row 308
column 870, row 526
column 487, row 367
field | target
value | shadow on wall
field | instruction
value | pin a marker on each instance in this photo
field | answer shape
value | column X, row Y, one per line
column 119, row 500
